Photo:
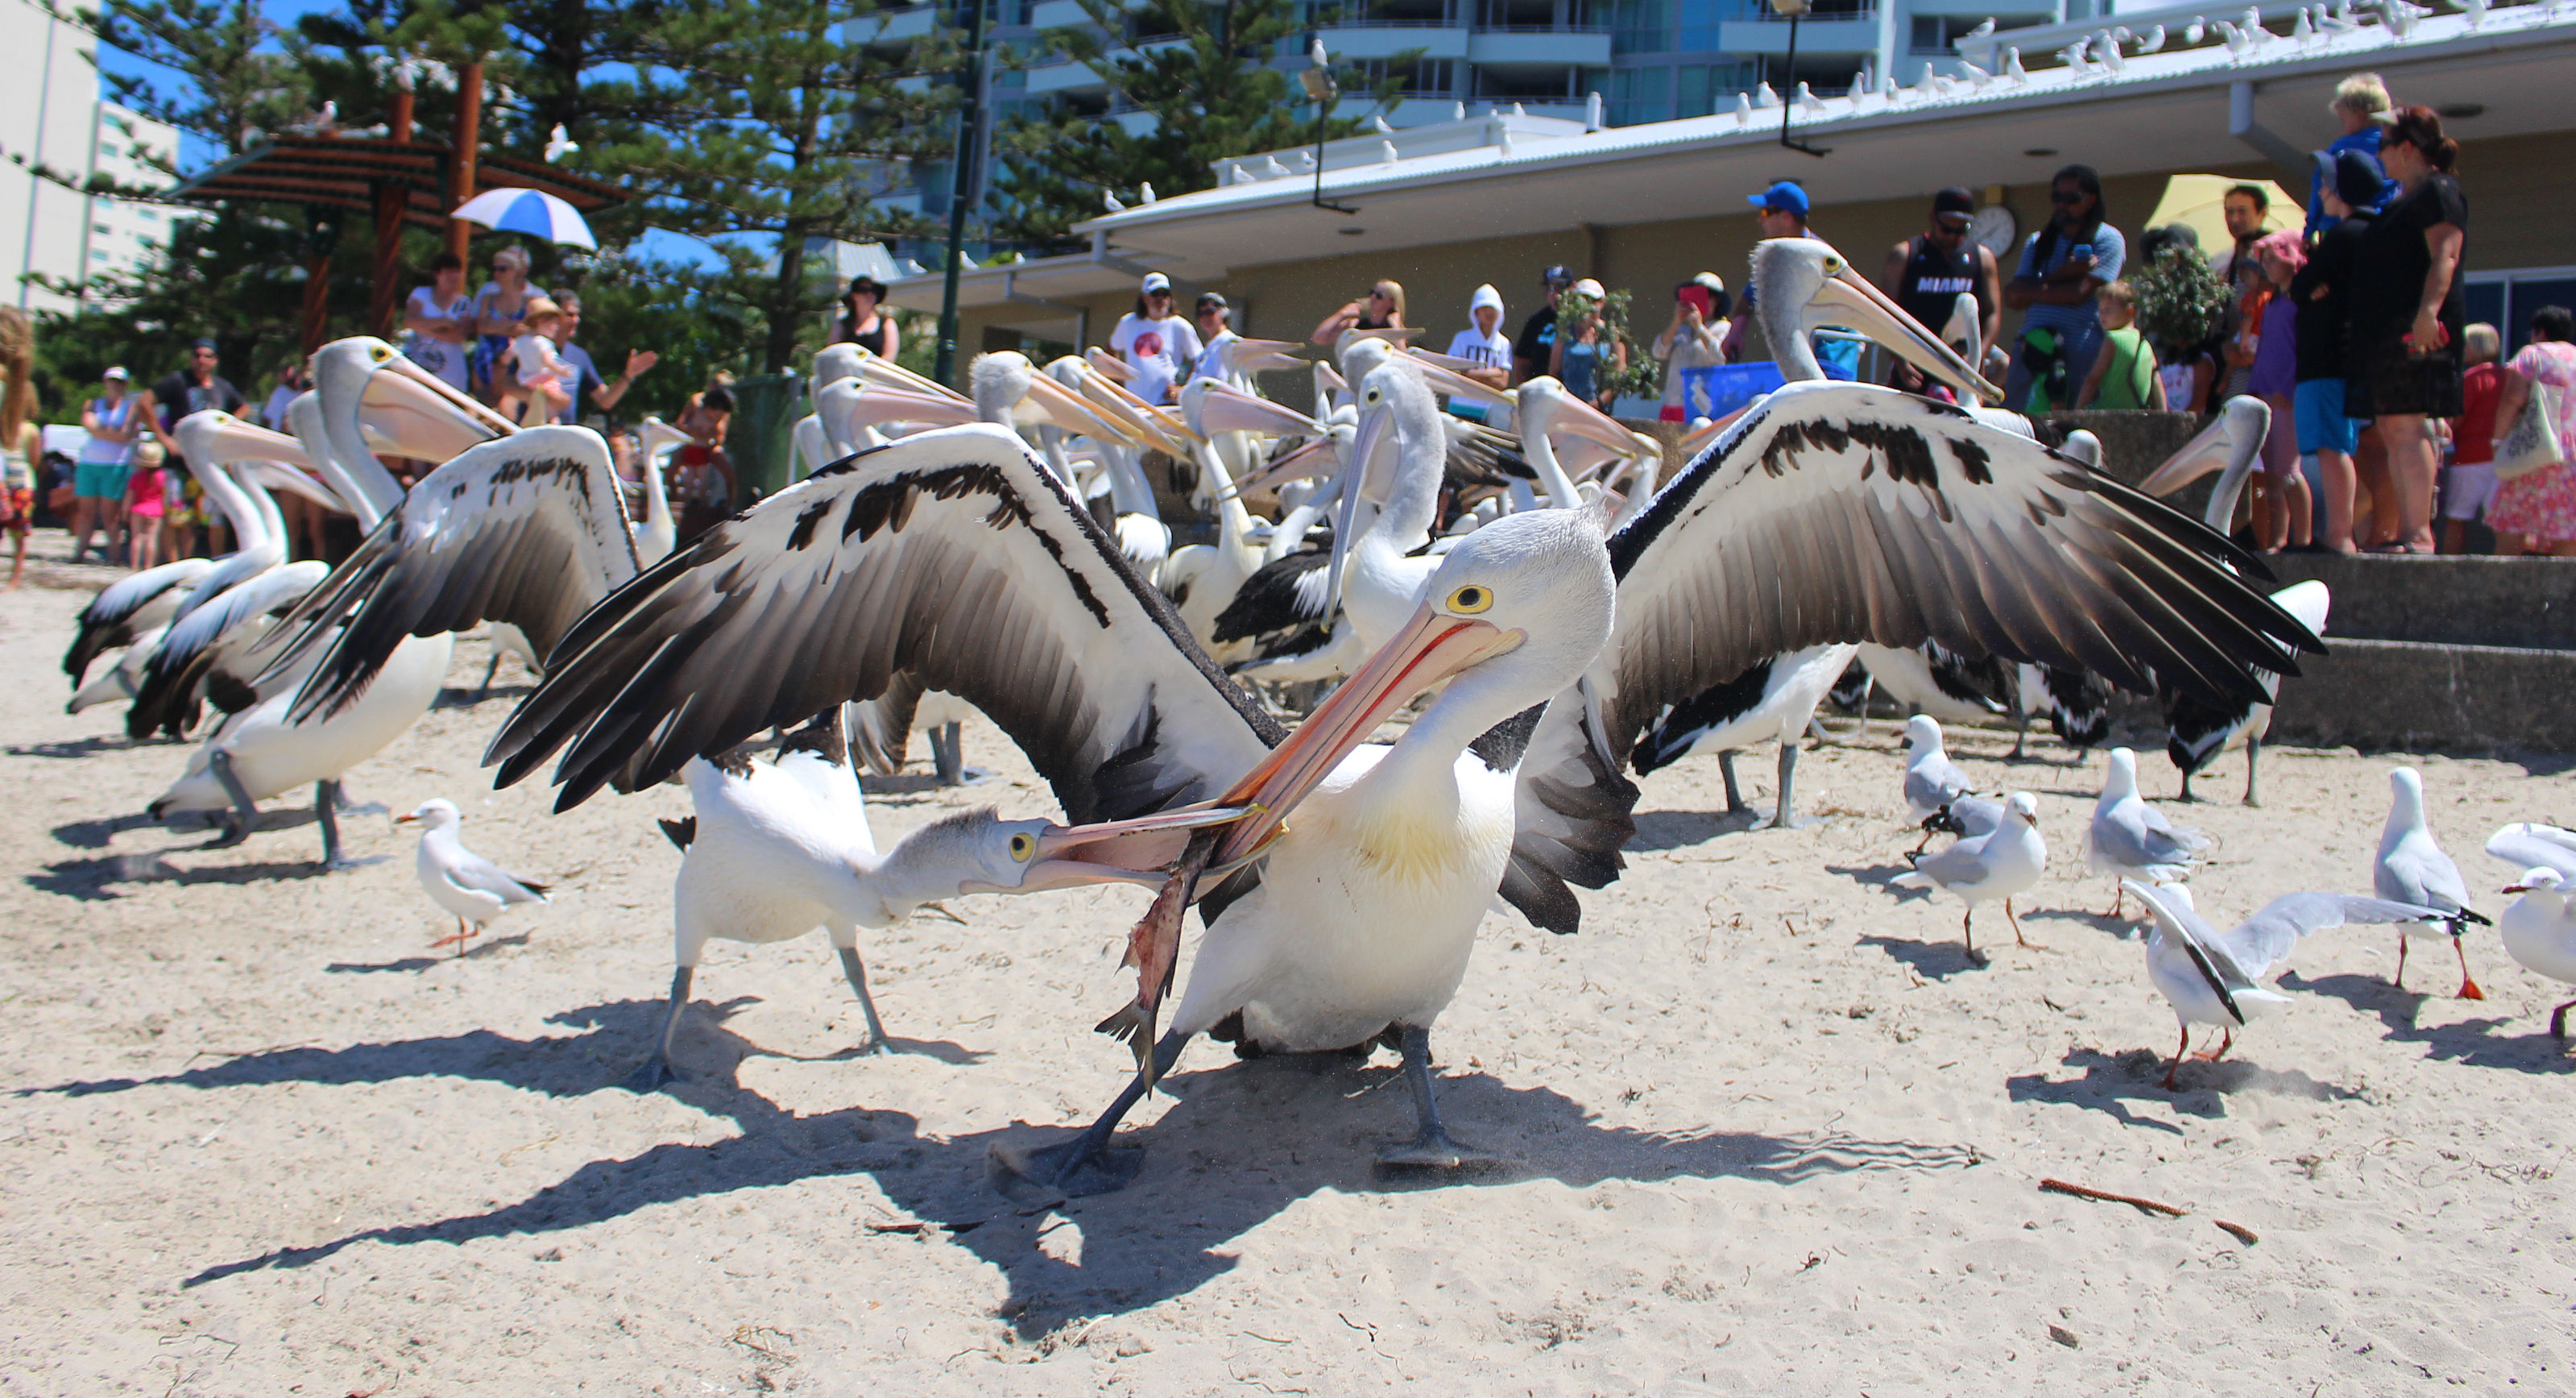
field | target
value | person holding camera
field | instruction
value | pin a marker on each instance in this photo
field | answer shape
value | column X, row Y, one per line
column 2063, row 269
column 1696, row 339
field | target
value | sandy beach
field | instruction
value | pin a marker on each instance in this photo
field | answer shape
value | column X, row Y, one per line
column 1768, row 1130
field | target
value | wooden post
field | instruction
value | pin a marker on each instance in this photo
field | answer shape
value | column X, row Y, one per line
column 317, row 300
column 393, row 201
column 468, row 138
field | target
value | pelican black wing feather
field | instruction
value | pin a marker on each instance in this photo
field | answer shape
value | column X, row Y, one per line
column 529, row 529
column 1849, row 513
column 948, row 560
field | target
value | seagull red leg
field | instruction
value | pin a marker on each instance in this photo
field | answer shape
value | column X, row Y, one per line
column 2176, row 1066
column 2468, row 983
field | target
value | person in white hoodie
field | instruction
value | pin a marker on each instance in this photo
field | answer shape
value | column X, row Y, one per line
column 1488, row 348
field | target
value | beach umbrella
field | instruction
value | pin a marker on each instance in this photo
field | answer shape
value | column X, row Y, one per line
column 528, row 211
column 2199, row 200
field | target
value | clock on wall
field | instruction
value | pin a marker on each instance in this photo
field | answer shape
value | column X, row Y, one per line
column 1994, row 229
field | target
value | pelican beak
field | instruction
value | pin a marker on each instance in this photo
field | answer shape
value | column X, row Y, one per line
column 1432, row 647
column 1447, row 380
column 1139, row 851
column 1102, row 361
column 1224, row 409
column 1144, row 425
column 1252, row 356
column 1579, row 419
column 1312, row 459
column 406, row 410
column 220, row 436
column 1867, row 309
column 2213, row 448
column 879, row 406
column 1361, row 479
column 293, row 481
column 885, row 373
column 1068, row 411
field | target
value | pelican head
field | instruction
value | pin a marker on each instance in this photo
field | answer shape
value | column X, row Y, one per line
column 1400, row 424
column 987, row 854
column 836, row 362
column 1009, row 389
column 374, row 399
column 836, row 408
column 2231, row 445
column 437, row 813
column 1211, row 406
column 1804, row 282
column 1543, row 407
column 1515, row 613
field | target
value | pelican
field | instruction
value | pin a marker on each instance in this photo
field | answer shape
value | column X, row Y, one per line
column 2215, row 978
column 1772, row 701
column 954, row 554
column 1202, row 579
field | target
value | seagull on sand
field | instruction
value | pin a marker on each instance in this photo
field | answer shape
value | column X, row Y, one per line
column 1932, row 780
column 1998, row 864
column 2215, row 978
column 2540, row 932
column 2130, row 839
column 2411, row 868
column 472, row 888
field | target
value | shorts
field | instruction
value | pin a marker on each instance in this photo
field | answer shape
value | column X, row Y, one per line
column 2317, row 407
column 100, row 480
column 2393, row 383
column 22, row 508
column 2467, row 491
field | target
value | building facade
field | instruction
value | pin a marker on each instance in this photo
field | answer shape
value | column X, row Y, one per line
column 51, row 115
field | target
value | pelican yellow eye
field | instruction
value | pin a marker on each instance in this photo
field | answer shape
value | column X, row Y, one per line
column 1471, row 599
column 1024, row 847
column 380, row 354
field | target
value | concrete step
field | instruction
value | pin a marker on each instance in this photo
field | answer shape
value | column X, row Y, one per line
column 2516, row 603
column 2425, row 697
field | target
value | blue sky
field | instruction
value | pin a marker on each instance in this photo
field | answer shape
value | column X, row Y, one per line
column 195, row 154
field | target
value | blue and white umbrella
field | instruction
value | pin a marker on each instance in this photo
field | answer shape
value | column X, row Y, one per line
column 528, row 211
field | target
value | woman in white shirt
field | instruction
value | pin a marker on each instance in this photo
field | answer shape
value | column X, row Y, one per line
column 1695, row 339
column 1160, row 348
column 439, row 319
column 1488, row 348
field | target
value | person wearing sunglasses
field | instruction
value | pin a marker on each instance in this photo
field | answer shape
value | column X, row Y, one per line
column 1926, row 273
column 2064, row 266
column 1159, row 347
column 1381, row 309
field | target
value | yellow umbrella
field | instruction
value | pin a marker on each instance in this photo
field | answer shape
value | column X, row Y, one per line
column 2198, row 201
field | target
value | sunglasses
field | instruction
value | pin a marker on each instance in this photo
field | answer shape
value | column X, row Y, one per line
column 2066, row 196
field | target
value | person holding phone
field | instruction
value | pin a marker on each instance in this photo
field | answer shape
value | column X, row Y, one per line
column 1696, row 338
column 2063, row 268
column 1381, row 309
column 2409, row 315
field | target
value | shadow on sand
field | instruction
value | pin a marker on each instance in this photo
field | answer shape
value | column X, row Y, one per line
column 1207, row 1178
column 2113, row 1080
column 2470, row 1041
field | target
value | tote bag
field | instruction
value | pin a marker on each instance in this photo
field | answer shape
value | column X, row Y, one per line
column 2533, row 443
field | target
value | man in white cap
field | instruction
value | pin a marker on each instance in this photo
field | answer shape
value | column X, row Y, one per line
column 1488, row 348
column 1216, row 331
column 1160, row 348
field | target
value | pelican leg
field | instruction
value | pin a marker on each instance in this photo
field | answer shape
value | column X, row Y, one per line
column 1860, row 732
column 244, row 811
column 1726, row 768
column 484, row 690
column 946, row 742
column 2021, row 731
column 2468, row 983
column 1432, row 1149
column 2253, row 747
column 2186, row 787
column 1782, row 818
column 857, row 973
column 326, row 813
column 1086, row 1165
column 2176, row 1066
column 657, row 1069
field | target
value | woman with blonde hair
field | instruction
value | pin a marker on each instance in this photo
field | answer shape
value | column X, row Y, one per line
column 1381, row 309
column 21, row 443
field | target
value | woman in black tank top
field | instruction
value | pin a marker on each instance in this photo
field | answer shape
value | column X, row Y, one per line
column 860, row 323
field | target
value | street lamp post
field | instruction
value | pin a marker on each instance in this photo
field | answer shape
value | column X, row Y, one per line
column 1794, row 9
column 1323, row 92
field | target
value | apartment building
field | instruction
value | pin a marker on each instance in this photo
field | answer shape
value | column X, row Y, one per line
column 53, row 116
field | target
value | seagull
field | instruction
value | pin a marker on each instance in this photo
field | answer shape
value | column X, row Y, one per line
column 1377, row 124
column 1984, row 28
column 1145, row 190
column 2339, row 21
column 471, row 888
column 2528, row 844
column 1859, row 87
column 559, row 144
column 2540, row 933
column 2154, row 40
column 1271, row 167
column 2210, row 977
column 1932, row 780
column 1315, row 53
column 2193, row 32
column 2073, row 57
column 2411, row 868
column 1764, row 97
column 2005, row 861
column 1743, row 106
column 1809, row 104
column 2475, row 11
column 2235, row 38
column 2300, row 32
column 2109, row 48
column 2130, row 839
column 1239, row 175
column 1976, row 76
column 2013, row 71
column 1387, row 153
column 1109, row 200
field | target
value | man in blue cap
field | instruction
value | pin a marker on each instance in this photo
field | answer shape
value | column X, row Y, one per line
column 1781, row 210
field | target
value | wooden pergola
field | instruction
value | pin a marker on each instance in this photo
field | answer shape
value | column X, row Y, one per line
column 396, row 180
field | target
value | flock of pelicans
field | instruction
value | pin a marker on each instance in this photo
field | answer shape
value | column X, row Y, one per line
column 1549, row 607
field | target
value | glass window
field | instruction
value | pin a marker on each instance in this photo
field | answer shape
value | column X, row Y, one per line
column 1639, row 26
